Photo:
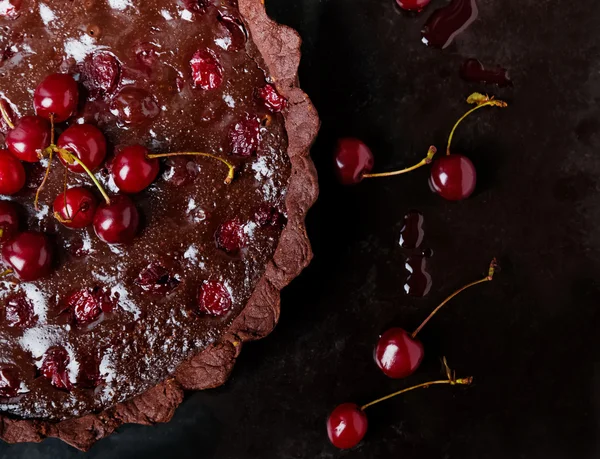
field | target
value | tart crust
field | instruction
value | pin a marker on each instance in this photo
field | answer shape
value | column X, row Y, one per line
column 279, row 47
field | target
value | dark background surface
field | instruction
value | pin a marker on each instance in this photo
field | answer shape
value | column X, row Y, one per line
column 530, row 338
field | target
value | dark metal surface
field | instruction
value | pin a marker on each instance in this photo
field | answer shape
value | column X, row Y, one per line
column 531, row 338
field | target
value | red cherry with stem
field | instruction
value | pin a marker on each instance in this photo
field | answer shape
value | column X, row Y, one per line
column 87, row 143
column 354, row 162
column 214, row 299
column 9, row 382
column 117, row 222
column 399, row 353
column 29, row 138
column 28, row 255
column 54, row 367
column 133, row 170
column 454, row 176
column 9, row 220
column 347, row 424
column 56, row 96
column 75, row 208
column 413, row 5
column 12, row 174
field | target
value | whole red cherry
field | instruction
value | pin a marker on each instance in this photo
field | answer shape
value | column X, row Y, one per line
column 75, row 208
column 117, row 222
column 9, row 220
column 453, row 177
column 29, row 138
column 398, row 354
column 353, row 159
column 29, row 255
column 347, row 426
column 132, row 170
column 87, row 143
column 12, row 174
column 56, row 96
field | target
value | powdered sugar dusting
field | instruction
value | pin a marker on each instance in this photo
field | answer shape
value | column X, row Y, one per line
column 37, row 340
column 122, row 294
column 46, row 14
column 39, row 300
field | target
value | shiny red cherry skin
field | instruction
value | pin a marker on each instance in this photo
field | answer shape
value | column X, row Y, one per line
column 12, row 174
column 75, row 207
column 87, row 143
column 453, row 177
column 353, row 159
column 57, row 95
column 347, row 425
column 29, row 138
column 9, row 220
column 214, row 299
column 117, row 222
column 413, row 5
column 55, row 367
column 397, row 354
column 29, row 255
column 132, row 170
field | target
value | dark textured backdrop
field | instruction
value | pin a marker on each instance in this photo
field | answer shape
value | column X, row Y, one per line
column 531, row 338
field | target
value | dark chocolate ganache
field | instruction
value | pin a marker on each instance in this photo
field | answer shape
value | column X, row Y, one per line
column 111, row 321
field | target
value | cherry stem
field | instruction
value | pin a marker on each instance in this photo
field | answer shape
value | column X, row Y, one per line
column 427, row 160
column 51, row 129
column 489, row 277
column 71, row 158
column 231, row 167
column 50, row 151
column 452, row 380
column 6, row 272
column 5, row 116
column 481, row 101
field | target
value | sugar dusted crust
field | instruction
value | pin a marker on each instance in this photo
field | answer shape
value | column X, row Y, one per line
column 279, row 47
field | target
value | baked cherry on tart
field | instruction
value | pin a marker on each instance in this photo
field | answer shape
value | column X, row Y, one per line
column 144, row 194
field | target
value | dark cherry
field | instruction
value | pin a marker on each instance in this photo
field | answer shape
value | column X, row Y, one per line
column 29, row 255
column 87, row 304
column 347, row 425
column 12, row 174
column 132, row 170
column 214, row 299
column 156, row 279
column 19, row 311
column 271, row 98
column 9, row 220
column 413, row 5
column 134, row 106
column 10, row 8
column 54, row 367
column 100, row 73
column 29, row 138
column 230, row 236
column 236, row 30
column 75, row 208
column 353, row 159
column 268, row 215
column 397, row 354
column 57, row 95
column 87, row 143
column 9, row 382
column 244, row 136
column 117, row 222
column 207, row 72
column 453, row 177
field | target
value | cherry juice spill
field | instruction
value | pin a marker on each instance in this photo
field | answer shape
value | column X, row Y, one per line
column 418, row 282
column 411, row 234
column 446, row 23
column 474, row 71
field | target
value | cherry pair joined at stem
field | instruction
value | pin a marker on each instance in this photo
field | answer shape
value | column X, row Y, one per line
column 347, row 424
column 452, row 176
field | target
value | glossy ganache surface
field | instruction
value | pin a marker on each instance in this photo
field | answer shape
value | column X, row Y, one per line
column 173, row 76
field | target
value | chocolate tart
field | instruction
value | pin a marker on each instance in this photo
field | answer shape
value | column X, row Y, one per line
column 132, row 361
